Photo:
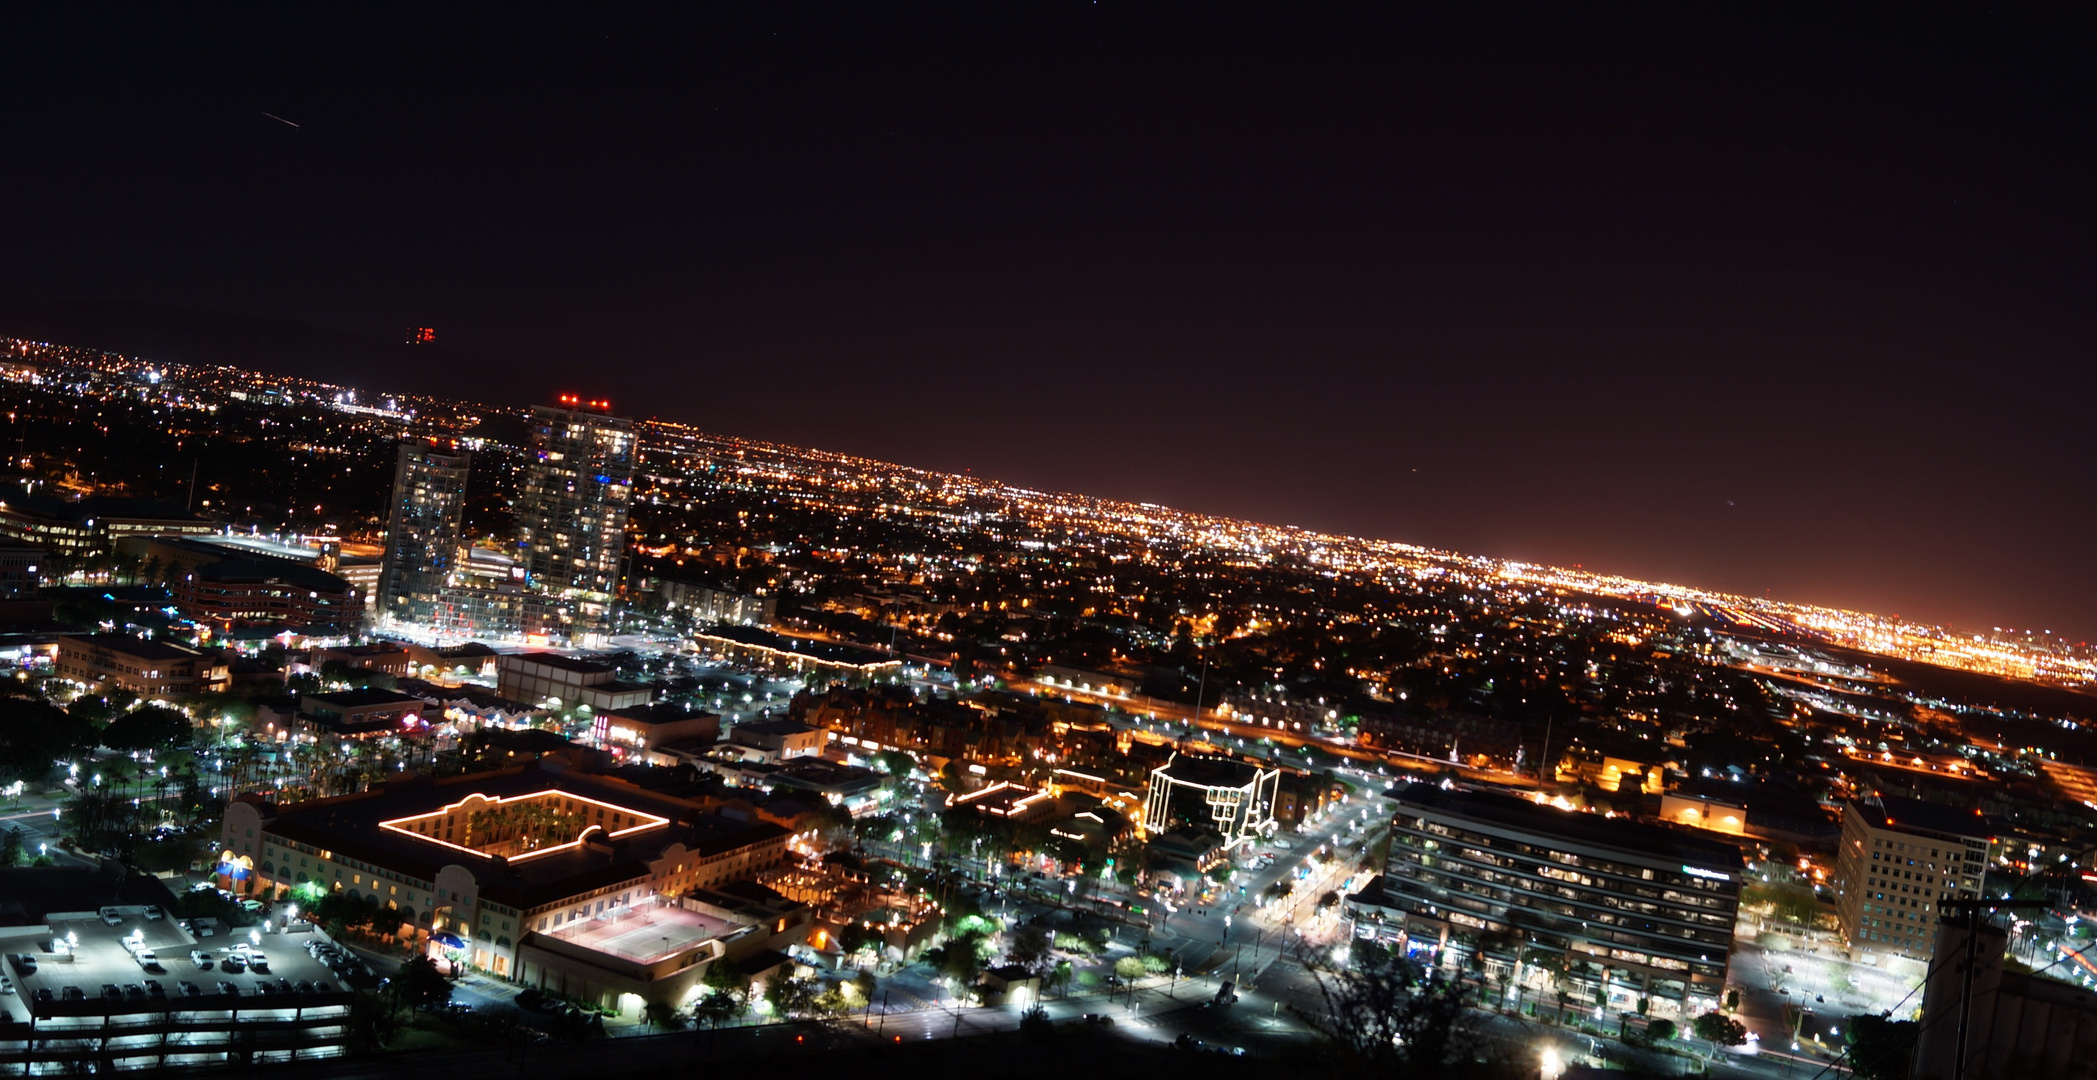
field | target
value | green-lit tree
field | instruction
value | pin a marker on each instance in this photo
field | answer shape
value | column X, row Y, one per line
column 727, row 994
column 794, row 995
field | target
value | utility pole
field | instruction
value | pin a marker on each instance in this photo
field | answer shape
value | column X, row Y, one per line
column 1202, row 688
column 1971, row 909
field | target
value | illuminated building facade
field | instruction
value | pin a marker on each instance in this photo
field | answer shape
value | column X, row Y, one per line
column 776, row 740
column 422, row 533
column 359, row 714
column 150, row 669
column 94, row 523
column 640, row 732
column 571, row 511
column 18, row 571
column 1900, row 859
column 1643, row 911
column 707, row 604
column 534, row 677
column 501, row 612
column 239, row 593
column 473, row 866
column 1234, row 798
column 1705, row 812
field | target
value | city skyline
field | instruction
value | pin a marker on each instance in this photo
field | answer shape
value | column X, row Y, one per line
column 1504, row 542
column 1768, row 305
column 827, row 692
column 2037, row 655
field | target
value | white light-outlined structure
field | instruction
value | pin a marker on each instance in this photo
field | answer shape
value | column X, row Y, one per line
column 533, row 814
column 1239, row 796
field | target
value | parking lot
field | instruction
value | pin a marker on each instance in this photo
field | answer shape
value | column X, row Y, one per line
column 124, row 961
column 1809, row 993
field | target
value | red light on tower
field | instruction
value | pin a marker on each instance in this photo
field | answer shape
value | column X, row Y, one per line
column 570, row 399
column 421, row 335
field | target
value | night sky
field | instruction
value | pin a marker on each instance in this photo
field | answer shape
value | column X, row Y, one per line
column 1757, row 301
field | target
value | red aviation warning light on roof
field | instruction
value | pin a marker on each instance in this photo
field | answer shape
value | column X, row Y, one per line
column 574, row 401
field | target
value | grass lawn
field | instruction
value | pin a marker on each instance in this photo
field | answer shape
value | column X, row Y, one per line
column 421, row 1031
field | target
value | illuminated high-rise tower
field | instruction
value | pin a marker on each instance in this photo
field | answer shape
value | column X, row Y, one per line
column 422, row 534
column 571, row 512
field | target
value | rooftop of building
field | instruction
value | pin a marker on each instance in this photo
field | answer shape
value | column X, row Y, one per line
column 133, row 595
column 576, row 664
column 528, row 740
column 37, row 504
column 774, row 727
column 353, row 825
column 828, row 652
column 824, row 773
column 1204, row 771
column 1523, row 815
column 1916, row 815
column 126, row 946
column 372, row 648
column 138, row 648
column 660, row 713
column 645, row 934
column 475, row 696
column 253, row 545
column 744, row 898
column 29, row 894
column 260, row 569
column 363, row 697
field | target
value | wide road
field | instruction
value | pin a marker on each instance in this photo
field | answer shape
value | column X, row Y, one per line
column 1166, row 719
column 40, row 831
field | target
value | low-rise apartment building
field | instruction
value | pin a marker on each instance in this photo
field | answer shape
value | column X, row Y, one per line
column 150, row 669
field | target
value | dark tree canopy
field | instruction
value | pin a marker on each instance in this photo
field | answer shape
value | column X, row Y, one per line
column 35, row 735
column 150, row 727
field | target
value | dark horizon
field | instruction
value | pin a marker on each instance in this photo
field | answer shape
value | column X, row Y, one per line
column 1719, row 298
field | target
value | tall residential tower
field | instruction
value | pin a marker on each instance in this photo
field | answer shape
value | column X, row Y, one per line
column 422, row 535
column 571, row 513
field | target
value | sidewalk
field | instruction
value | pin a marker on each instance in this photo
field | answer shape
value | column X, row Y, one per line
column 490, row 987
